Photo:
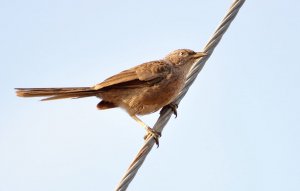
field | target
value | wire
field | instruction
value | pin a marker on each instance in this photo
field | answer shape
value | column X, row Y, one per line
column 167, row 112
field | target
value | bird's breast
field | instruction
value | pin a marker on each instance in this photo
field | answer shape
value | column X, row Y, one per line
column 151, row 99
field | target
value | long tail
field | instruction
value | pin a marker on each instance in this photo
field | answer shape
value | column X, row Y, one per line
column 57, row 93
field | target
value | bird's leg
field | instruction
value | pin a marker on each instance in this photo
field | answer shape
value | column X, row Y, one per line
column 173, row 107
column 150, row 131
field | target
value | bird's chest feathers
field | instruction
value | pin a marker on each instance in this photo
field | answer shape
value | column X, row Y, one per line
column 164, row 92
column 151, row 99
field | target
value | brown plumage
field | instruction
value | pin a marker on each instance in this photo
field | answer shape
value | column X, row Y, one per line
column 56, row 93
column 140, row 90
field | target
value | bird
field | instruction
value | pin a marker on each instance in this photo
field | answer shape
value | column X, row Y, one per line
column 141, row 90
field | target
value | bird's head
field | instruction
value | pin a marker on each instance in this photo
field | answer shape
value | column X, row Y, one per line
column 184, row 56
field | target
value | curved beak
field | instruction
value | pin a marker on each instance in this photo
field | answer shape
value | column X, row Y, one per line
column 199, row 55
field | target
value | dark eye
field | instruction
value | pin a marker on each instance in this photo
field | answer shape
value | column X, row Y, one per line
column 182, row 54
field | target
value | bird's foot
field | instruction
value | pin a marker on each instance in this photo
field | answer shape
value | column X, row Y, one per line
column 173, row 107
column 154, row 134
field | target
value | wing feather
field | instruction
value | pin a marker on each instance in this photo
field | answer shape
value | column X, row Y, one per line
column 147, row 73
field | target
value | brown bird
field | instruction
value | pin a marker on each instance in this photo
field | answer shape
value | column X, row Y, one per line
column 140, row 90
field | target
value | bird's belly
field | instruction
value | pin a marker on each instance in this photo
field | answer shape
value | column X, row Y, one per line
column 149, row 100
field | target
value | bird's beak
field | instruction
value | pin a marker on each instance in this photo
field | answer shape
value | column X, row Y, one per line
column 199, row 55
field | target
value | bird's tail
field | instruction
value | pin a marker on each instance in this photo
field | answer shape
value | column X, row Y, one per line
column 57, row 93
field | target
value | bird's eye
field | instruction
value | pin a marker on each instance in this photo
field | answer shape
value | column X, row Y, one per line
column 181, row 54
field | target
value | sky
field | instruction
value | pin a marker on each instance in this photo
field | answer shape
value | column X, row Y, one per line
column 237, row 128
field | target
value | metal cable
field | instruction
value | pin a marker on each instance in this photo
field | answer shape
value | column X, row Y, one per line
column 167, row 112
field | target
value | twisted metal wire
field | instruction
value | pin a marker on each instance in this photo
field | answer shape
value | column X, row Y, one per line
column 167, row 112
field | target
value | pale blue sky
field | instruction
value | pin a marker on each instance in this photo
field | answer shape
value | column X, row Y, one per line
column 237, row 128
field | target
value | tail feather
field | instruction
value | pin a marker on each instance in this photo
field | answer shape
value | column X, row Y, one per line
column 57, row 93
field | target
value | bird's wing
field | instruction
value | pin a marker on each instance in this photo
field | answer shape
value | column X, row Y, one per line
column 147, row 73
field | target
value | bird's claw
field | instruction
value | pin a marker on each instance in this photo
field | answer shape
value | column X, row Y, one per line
column 154, row 134
column 173, row 107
